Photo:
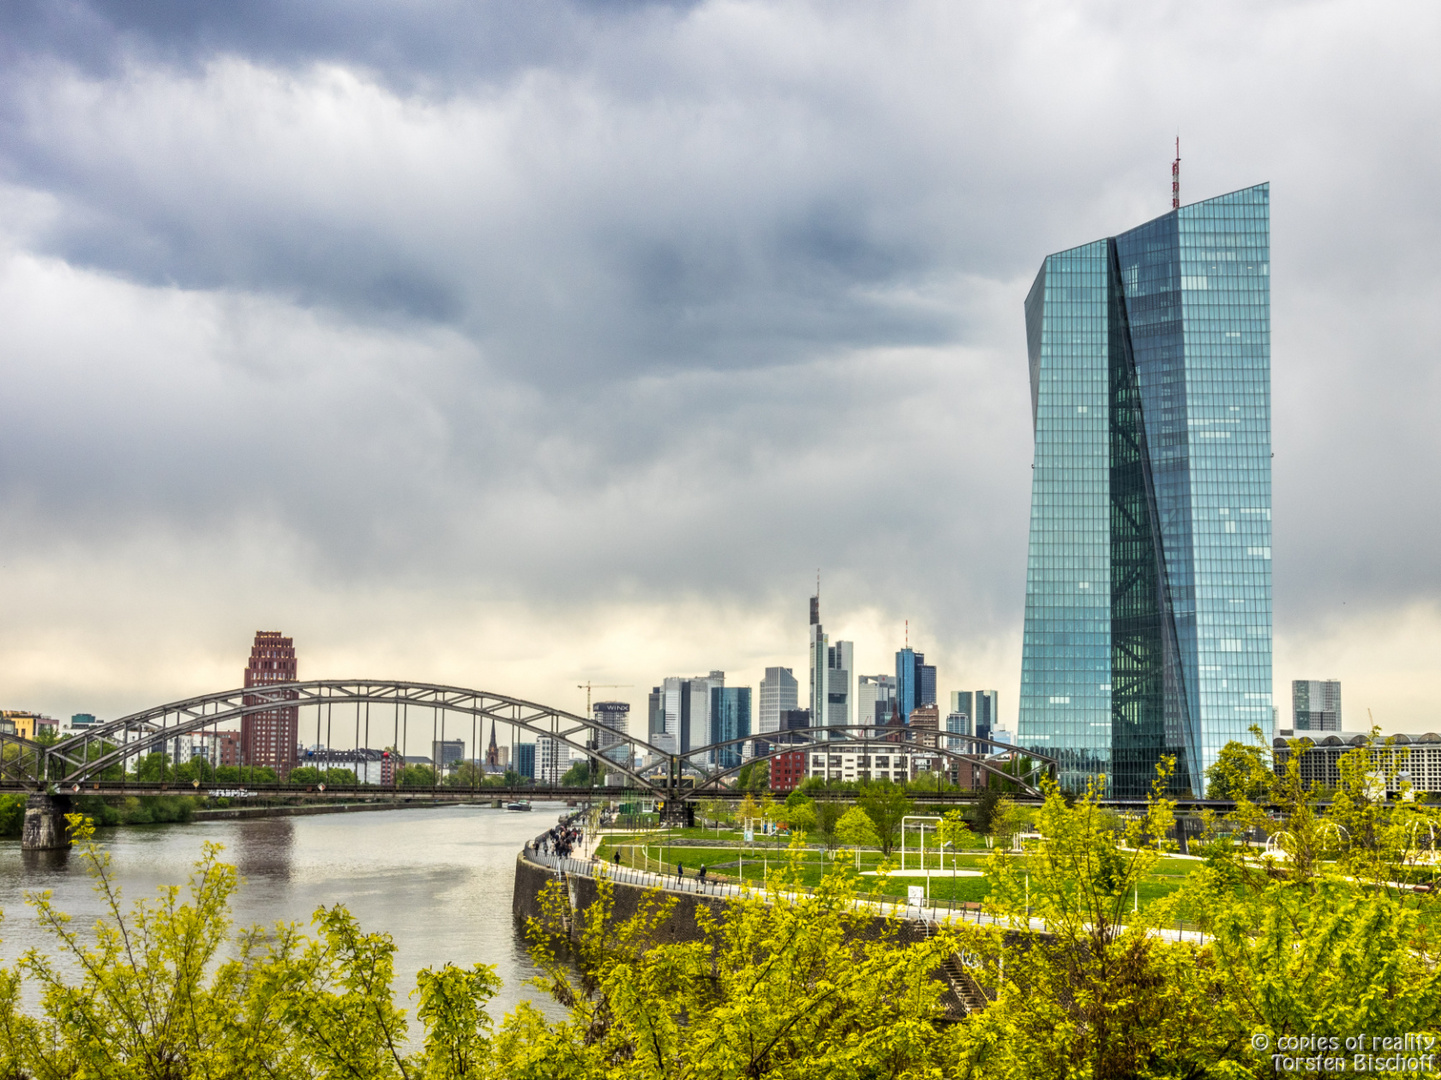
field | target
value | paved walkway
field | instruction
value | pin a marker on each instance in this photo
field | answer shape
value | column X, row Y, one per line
column 592, row 868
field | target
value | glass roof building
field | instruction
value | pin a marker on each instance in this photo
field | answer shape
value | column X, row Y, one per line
column 1148, row 578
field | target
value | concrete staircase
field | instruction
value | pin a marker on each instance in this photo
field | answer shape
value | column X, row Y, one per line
column 962, row 995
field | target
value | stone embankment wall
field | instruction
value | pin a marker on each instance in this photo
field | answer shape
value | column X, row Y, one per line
column 681, row 925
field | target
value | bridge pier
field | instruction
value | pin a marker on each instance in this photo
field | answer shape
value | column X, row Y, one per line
column 45, row 827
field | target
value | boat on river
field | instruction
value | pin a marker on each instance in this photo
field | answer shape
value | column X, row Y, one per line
column 519, row 805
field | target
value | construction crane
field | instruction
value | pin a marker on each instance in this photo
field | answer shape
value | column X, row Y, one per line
column 589, row 686
column 592, row 740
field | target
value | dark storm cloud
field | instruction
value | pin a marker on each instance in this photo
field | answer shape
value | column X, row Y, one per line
column 433, row 43
column 564, row 300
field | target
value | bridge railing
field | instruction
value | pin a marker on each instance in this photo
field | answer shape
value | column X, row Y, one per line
column 930, row 913
column 600, row 870
column 626, row 875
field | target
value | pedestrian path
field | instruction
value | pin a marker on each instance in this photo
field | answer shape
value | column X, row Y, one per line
column 939, row 916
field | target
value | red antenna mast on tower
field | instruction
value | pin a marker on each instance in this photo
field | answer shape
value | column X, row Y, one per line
column 1176, row 177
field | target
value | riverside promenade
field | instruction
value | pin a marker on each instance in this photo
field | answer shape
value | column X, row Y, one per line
column 581, row 874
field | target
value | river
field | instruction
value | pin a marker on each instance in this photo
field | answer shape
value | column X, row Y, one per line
column 438, row 880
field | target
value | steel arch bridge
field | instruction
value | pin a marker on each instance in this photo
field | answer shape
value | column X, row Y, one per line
column 370, row 708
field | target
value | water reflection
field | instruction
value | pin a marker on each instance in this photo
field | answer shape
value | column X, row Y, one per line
column 265, row 848
column 438, row 880
column 40, row 863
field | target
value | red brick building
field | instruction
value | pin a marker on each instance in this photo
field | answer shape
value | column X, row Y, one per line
column 788, row 770
column 219, row 747
column 270, row 737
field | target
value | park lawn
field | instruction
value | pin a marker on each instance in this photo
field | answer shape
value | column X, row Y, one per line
column 759, row 863
column 1174, row 868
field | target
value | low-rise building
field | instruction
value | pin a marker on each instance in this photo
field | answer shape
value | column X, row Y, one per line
column 1393, row 759
column 29, row 725
column 925, row 723
column 788, row 769
column 874, row 763
column 369, row 766
column 448, row 752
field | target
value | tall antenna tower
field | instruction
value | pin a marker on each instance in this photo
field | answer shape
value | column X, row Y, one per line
column 1176, row 177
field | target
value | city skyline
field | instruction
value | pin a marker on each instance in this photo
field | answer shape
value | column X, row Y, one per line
column 571, row 357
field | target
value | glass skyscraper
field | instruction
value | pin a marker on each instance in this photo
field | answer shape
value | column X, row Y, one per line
column 730, row 711
column 1148, row 579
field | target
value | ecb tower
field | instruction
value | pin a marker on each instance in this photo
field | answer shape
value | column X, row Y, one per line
column 1148, row 578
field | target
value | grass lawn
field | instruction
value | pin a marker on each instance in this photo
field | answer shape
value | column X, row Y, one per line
column 760, row 860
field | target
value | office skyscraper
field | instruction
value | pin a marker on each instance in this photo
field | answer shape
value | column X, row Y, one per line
column 552, row 759
column 875, row 698
column 687, row 712
column 958, row 723
column 1316, row 705
column 780, row 692
column 986, row 718
column 655, row 714
column 271, row 736
column 915, row 681
column 730, row 711
column 615, row 715
column 1148, row 582
column 830, row 674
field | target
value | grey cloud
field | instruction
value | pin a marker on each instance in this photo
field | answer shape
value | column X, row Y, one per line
column 436, row 43
column 680, row 301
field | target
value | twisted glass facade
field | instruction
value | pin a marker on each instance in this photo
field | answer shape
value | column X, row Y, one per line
column 1148, row 583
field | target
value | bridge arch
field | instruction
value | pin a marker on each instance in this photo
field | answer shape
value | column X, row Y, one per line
column 75, row 760
column 823, row 741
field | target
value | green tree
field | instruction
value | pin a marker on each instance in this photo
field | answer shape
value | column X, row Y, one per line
column 952, row 832
column 310, row 774
column 240, row 775
column 468, row 774
column 743, row 778
column 1086, row 998
column 834, row 1000
column 151, row 768
column 12, row 814
column 986, row 805
column 828, row 815
column 578, row 775
column 801, row 817
column 886, row 804
column 1322, row 929
column 166, row 992
column 760, row 779
column 855, row 830
column 416, row 776
column 1241, row 771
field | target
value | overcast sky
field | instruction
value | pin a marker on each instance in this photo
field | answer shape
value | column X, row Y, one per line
column 519, row 344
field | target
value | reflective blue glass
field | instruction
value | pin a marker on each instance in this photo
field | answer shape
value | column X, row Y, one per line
column 1148, row 586
column 730, row 719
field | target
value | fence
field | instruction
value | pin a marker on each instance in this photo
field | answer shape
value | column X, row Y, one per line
column 678, row 883
column 928, row 913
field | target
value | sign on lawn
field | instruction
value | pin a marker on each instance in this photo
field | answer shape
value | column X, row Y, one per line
column 916, row 893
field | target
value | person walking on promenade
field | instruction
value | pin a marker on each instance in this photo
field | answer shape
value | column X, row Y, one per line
column 679, row 871
column 617, row 856
column 701, row 875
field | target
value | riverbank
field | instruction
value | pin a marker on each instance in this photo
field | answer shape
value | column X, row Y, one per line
column 240, row 813
column 118, row 810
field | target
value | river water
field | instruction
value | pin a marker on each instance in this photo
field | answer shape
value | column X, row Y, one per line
column 438, row 880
